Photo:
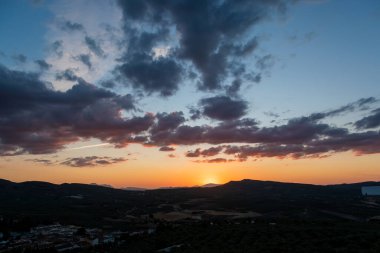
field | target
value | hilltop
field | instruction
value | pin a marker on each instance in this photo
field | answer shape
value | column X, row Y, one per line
column 89, row 204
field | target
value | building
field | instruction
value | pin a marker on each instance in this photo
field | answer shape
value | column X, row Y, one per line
column 371, row 190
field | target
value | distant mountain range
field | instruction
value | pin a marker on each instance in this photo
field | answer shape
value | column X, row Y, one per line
column 87, row 204
column 167, row 187
column 245, row 184
column 210, row 185
column 134, row 189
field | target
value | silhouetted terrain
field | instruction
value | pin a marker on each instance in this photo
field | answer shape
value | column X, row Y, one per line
column 261, row 237
column 82, row 204
column 241, row 216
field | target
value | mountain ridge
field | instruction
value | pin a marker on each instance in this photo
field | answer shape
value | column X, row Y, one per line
column 89, row 204
column 210, row 185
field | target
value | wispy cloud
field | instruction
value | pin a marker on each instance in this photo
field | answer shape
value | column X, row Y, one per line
column 90, row 146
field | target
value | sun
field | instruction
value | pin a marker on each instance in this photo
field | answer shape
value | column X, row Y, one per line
column 209, row 180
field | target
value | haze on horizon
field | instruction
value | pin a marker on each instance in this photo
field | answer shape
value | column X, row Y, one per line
column 152, row 93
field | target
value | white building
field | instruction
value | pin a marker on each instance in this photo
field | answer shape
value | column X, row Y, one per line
column 371, row 190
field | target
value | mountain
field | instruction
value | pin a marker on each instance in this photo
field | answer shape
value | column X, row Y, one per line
column 209, row 185
column 105, row 185
column 94, row 204
column 133, row 189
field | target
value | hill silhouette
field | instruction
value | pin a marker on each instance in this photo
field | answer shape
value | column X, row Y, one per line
column 89, row 204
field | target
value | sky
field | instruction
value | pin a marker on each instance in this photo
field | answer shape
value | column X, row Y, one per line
column 157, row 93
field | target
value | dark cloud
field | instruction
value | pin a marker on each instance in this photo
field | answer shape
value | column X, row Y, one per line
column 57, row 47
column 211, row 37
column 338, row 140
column 371, row 121
column 361, row 104
column 195, row 153
column 298, row 138
column 247, row 48
column 183, row 135
column 94, row 46
column 297, row 130
column 234, row 88
column 20, row 58
column 43, row 65
column 67, row 75
column 215, row 160
column 168, row 121
column 253, row 77
column 152, row 75
column 272, row 114
column 144, row 41
column 223, row 108
column 69, row 26
column 205, row 153
column 42, row 161
column 195, row 113
column 35, row 119
column 91, row 161
column 109, row 84
column 167, row 149
column 295, row 151
column 85, row 59
column 360, row 143
column 211, row 151
column 225, row 132
column 266, row 62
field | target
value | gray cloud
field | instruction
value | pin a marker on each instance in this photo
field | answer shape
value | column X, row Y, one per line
column 42, row 161
column 68, row 75
column 167, row 149
column 266, row 62
column 205, row 153
column 69, row 26
column 371, row 121
column 212, row 45
column 223, row 108
column 20, row 58
column 298, row 138
column 94, row 46
column 337, row 140
column 35, row 119
column 85, row 59
column 149, row 75
column 361, row 104
column 168, row 121
column 57, row 47
column 215, row 160
column 43, row 65
column 91, row 161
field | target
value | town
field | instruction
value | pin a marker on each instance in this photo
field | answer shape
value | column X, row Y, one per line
column 56, row 237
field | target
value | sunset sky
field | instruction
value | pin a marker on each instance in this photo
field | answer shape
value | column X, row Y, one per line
column 154, row 93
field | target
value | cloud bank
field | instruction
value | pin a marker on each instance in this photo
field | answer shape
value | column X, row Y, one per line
column 209, row 37
column 36, row 119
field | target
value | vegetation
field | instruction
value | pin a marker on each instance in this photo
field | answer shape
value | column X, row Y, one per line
column 263, row 236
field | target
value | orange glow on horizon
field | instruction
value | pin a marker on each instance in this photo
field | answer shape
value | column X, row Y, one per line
column 154, row 169
column 210, row 180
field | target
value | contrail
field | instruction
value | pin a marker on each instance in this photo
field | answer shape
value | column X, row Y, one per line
column 90, row 146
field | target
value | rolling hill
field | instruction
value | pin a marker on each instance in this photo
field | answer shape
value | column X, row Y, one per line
column 90, row 204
